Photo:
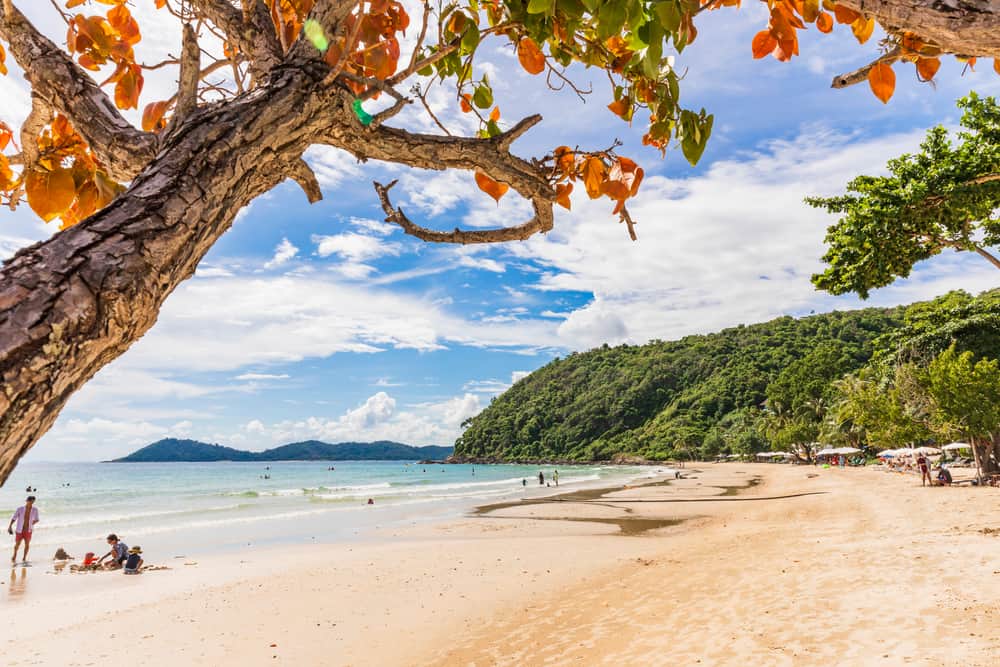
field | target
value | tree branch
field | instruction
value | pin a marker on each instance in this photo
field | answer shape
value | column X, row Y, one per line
column 540, row 222
column 490, row 156
column 988, row 256
column 62, row 85
column 190, row 75
column 36, row 121
column 302, row 173
column 252, row 36
column 861, row 74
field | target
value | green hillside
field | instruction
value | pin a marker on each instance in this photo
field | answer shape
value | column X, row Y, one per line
column 700, row 394
column 173, row 450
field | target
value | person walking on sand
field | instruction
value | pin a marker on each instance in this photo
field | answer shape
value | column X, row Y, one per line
column 541, row 478
column 26, row 517
column 925, row 472
column 555, row 477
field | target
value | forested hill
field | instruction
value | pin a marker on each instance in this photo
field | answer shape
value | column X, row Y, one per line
column 173, row 450
column 697, row 395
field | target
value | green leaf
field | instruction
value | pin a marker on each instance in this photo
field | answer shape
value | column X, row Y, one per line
column 572, row 9
column 611, row 19
column 669, row 15
column 654, row 52
column 482, row 97
column 470, row 38
column 315, row 34
column 541, row 6
column 591, row 5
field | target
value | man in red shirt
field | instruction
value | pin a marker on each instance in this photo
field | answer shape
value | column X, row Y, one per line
column 26, row 517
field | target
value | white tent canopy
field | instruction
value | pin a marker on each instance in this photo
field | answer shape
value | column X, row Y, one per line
column 957, row 445
column 831, row 451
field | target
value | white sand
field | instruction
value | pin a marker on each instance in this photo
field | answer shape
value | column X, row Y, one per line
column 872, row 569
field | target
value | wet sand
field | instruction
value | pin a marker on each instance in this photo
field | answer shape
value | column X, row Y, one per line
column 759, row 563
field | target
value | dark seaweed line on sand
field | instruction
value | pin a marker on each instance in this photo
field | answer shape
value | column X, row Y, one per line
column 630, row 526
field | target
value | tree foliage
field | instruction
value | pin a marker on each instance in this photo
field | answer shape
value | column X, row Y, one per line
column 945, row 196
column 700, row 395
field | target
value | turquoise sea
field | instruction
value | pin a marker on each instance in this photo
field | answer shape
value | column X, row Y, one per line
column 175, row 509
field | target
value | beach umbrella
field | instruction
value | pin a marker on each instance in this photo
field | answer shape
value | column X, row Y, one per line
column 926, row 450
column 847, row 450
column 887, row 453
column 957, row 445
column 827, row 451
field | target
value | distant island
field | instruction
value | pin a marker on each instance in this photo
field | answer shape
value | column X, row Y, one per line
column 172, row 450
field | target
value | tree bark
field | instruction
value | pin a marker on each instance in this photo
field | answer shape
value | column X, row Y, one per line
column 72, row 304
column 962, row 27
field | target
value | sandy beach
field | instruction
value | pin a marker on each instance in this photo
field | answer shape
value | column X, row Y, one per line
column 759, row 563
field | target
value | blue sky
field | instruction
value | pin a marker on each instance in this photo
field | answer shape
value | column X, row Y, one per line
column 324, row 322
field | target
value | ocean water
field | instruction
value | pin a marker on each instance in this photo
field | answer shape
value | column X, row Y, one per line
column 192, row 508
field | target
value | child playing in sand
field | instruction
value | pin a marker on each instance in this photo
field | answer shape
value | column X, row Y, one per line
column 133, row 563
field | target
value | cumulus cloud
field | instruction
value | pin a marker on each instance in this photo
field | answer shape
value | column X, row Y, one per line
column 483, row 263
column 283, row 252
column 378, row 418
column 231, row 323
column 735, row 244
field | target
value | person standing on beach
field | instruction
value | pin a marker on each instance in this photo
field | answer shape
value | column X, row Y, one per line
column 555, row 477
column 26, row 517
column 925, row 472
column 541, row 478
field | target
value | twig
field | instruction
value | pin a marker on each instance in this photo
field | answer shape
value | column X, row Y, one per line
column 861, row 74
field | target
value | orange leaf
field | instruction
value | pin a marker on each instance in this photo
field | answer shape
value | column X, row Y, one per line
column 565, row 160
column 927, row 67
column 50, row 192
column 620, row 107
column 845, row 15
column 824, row 23
column 763, row 43
column 996, row 65
column 593, row 175
column 466, row 102
column 615, row 189
column 152, row 116
column 3, row 60
column 530, row 56
column 882, row 80
column 862, row 28
column 76, row 3
column 128, row 88
column 6, row 134
column 493, row 188
column 495, row 114
column 563, row 191
column 639, row 173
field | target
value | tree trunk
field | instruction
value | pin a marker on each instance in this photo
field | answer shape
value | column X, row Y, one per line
column 962, row 27
column 72, row 304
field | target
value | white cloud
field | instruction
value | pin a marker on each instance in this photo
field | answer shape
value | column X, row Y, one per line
column 374, row 226
column 283, row 252
column 231, row 323
column 483, row 263
column 355, row 248
column 255, row 377
column 735, row 244
column 377, row 419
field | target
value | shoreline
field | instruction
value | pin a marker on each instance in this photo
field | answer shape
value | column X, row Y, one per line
column 805, row 567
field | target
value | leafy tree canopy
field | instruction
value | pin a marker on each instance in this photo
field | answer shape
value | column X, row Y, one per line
column 945, row 196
